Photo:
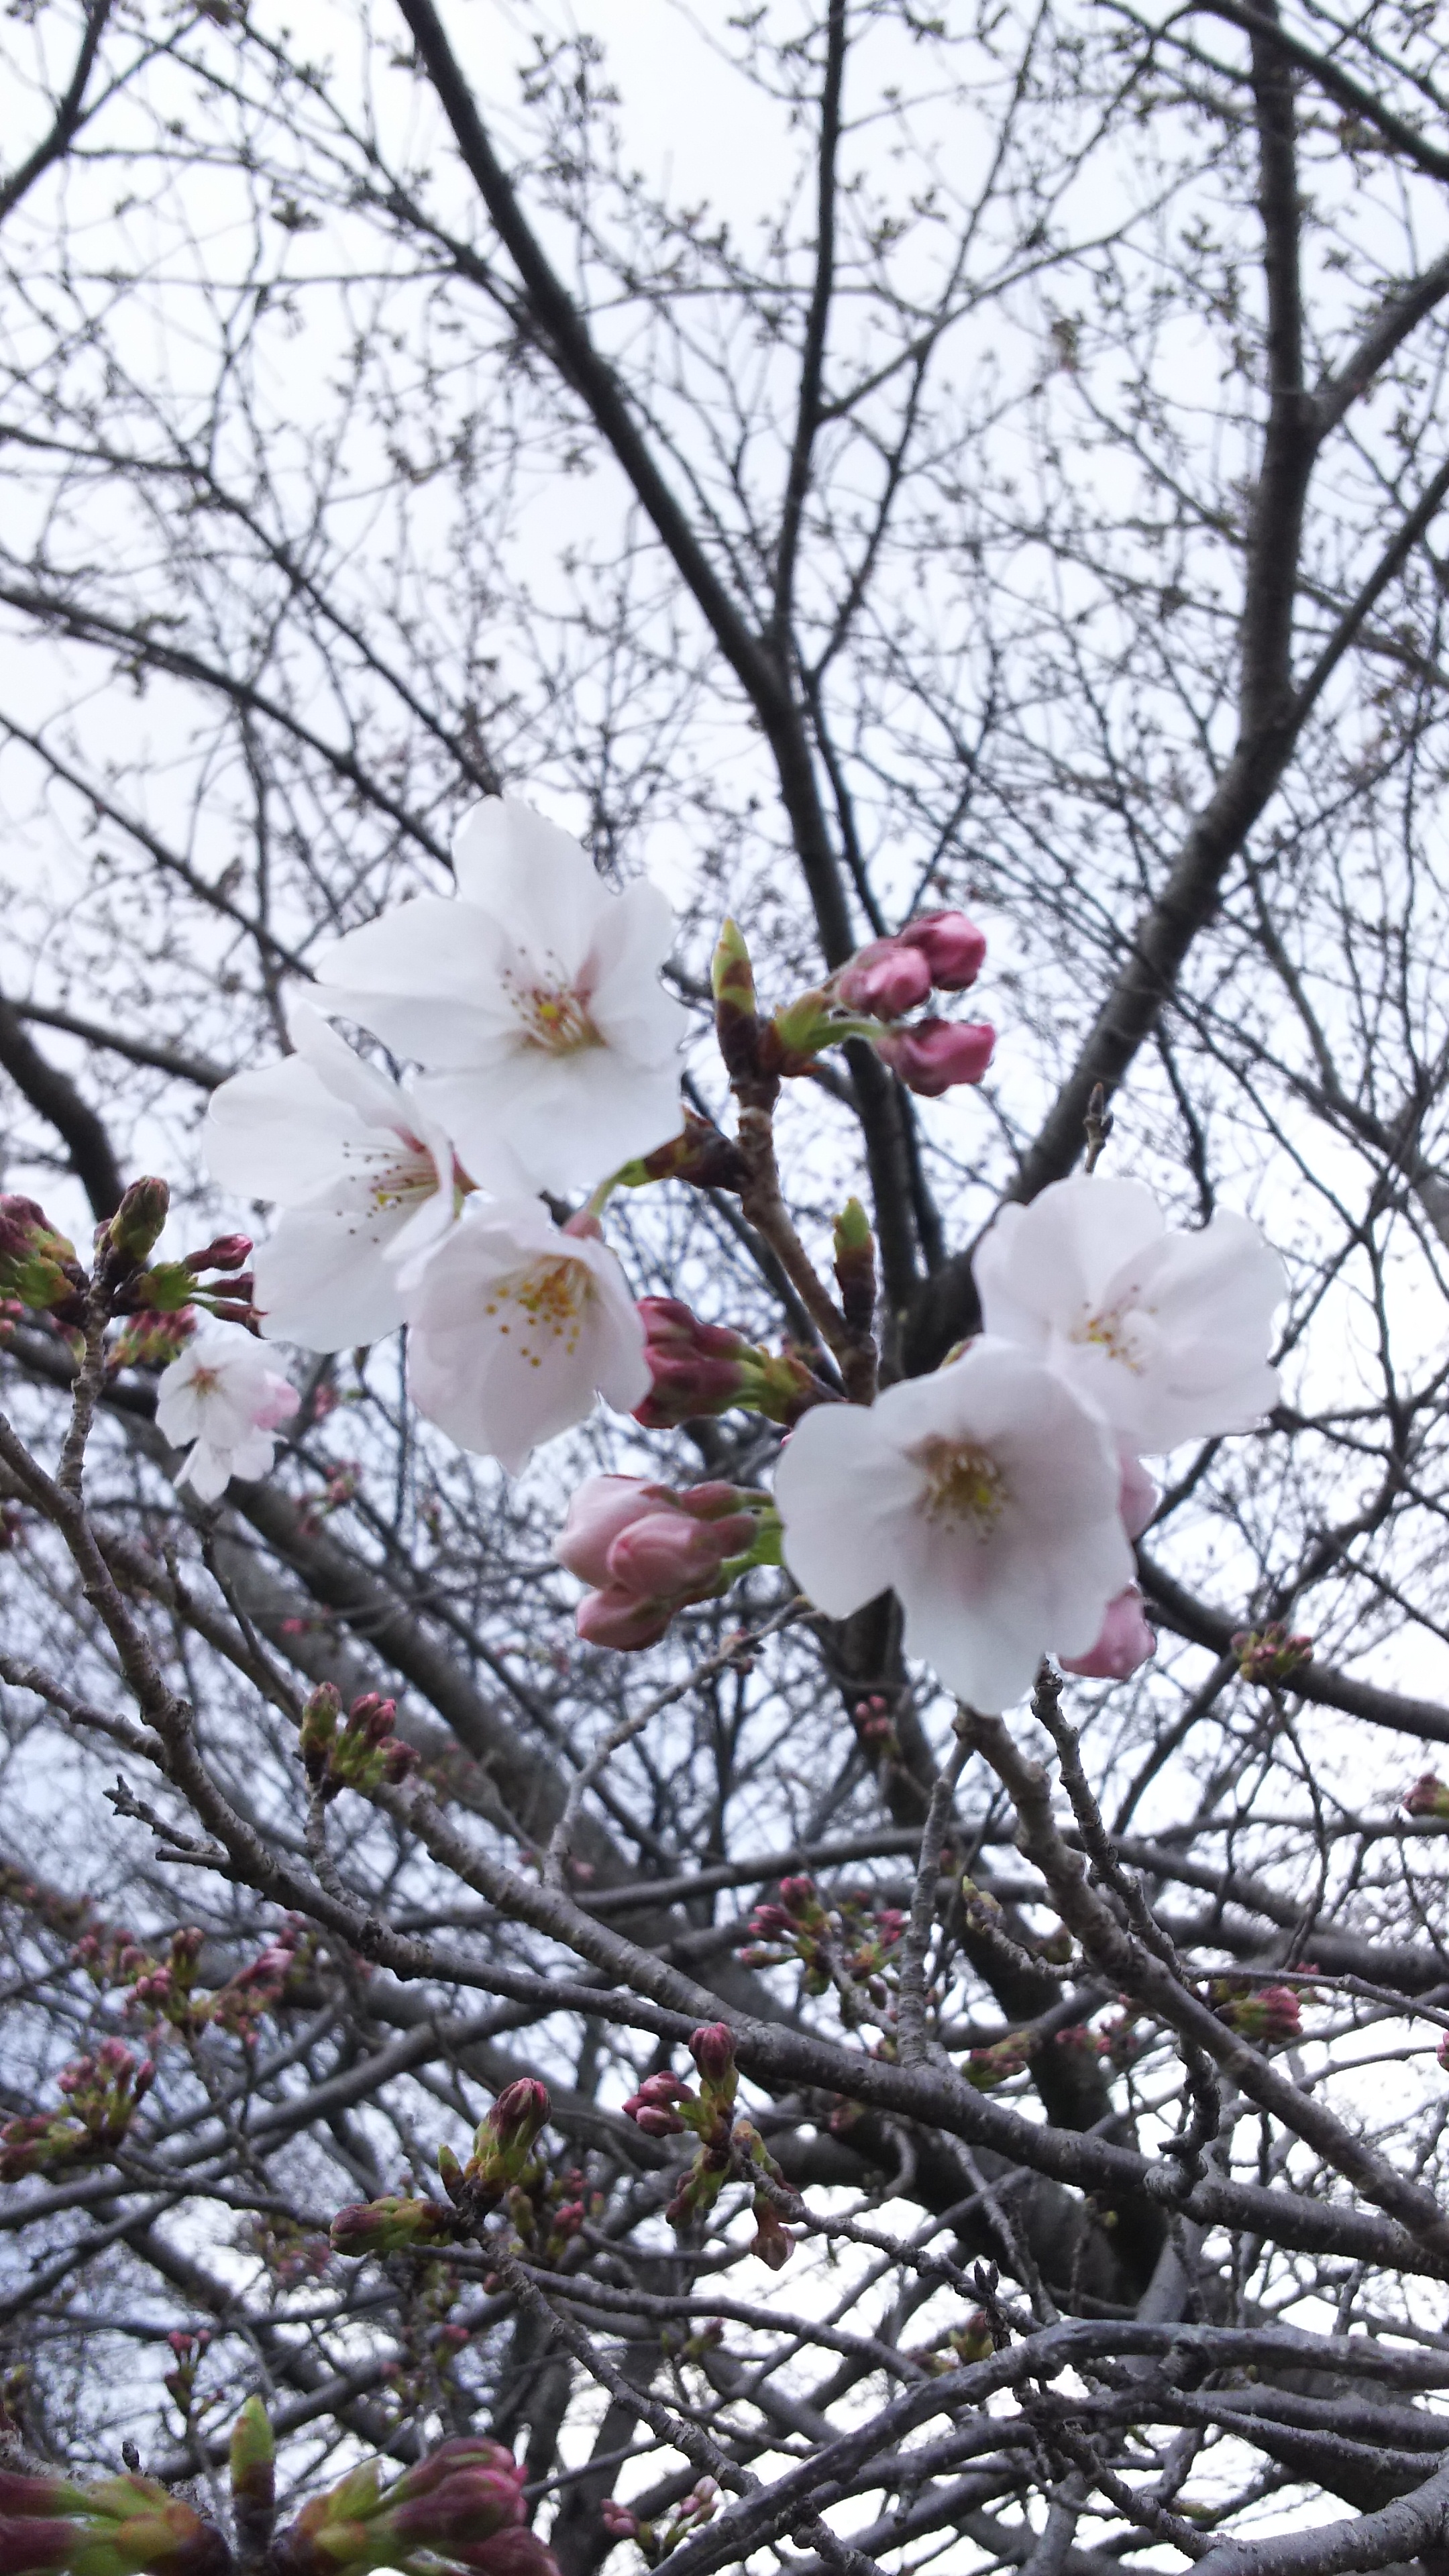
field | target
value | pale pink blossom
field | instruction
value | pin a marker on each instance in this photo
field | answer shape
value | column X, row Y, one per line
column 515, row 1325
column 1139, row 1496
column 1166, row 1333
column 985, row 1496
column 221, row 1396
column 1126, row 1641
column 533, row 1000
column 363, row 1174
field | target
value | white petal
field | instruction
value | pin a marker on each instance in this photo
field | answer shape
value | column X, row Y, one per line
column 559, row 1122
column 534, row 879
column 1049, row 1264
column 629, row 1006
column 842, row 1489
column 324, row 1283
column 374, row 1096
column 206, row 1470
column 278, row 1133
column 427, row 979
column 253, row 1456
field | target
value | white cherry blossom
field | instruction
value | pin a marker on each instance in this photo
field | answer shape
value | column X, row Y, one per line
column 533, row 1000
column 516, row 1326
column 221, row 1396
column 363, row 1173
column 985, row 1496
column 1166, row 1333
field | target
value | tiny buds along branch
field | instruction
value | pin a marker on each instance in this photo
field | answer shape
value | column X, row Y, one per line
column 123, row 2526
column 38, row 1266
column 102, row 2093
column 365, row 1756
column 463, row 2505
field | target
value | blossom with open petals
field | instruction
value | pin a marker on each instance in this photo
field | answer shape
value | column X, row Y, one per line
column 516, row 1325
column 985, row 1496
column 364, row 1177
column 1167, row 1334
column 221, row 1396
column 533, row 1001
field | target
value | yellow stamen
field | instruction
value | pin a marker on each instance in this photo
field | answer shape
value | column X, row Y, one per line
column 963, row 1484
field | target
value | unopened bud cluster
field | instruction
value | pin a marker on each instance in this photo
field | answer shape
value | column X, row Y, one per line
column 1266, row 2015
column 122, row 2526
column 849, row 1936
column 498, row 2171
column 1429, row 1796
column 363, row 1754
column 1270, row 1656
column 102, row 2095
column 729, row 2146
column 868, row 998
column 701, row 1369
column 655, row 2540
column 461, row 2507
column 165, row 1989
column 648, row 1551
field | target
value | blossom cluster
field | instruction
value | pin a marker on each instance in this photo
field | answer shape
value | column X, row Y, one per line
column 999, row 1496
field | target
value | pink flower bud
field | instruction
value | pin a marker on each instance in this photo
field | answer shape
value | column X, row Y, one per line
column 620, row 1619
column 1428, row 1797
column 885, row 979
column 519, row 2112
column 656, row 2123
column 937, row 1054
column 953, row 948
column 667, row 1554
column 508, row 2553
column 225, row 1252
column 390, row 2225
column 37, row 1265
column 713, row 2050
column 617, row 2520
column 697, row 1368
column 372, row 1716
column 1125, row 1642
column 599, row 1511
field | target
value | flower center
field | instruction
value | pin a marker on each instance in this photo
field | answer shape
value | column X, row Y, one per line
column 964, row 1484
column 1111, row 1331
column 543, row 1306
column 205, row 1382
column 410, row 1176
column 555, row 1017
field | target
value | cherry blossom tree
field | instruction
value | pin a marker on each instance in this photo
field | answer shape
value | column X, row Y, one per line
column 723, row 1255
